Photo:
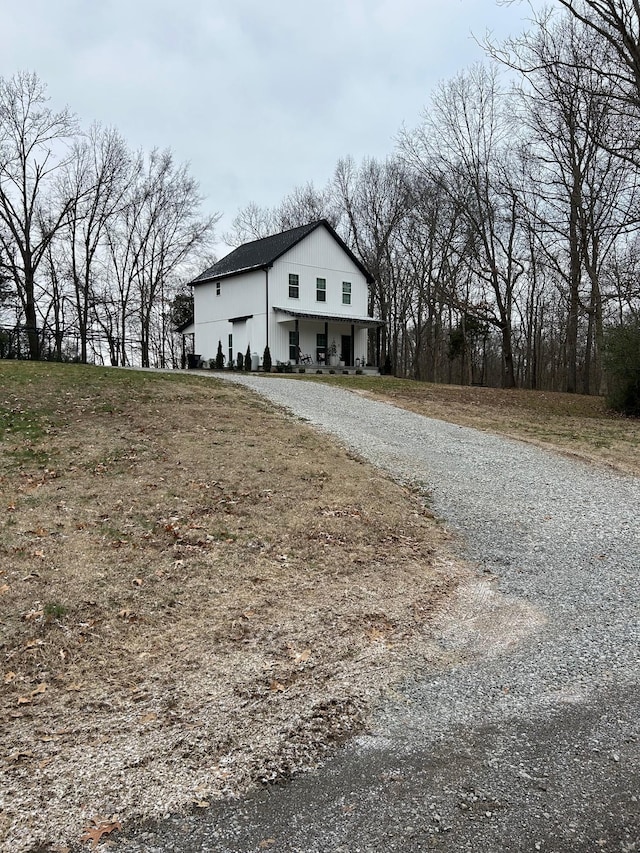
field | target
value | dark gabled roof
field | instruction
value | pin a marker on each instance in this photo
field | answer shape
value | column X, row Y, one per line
column 260, row 254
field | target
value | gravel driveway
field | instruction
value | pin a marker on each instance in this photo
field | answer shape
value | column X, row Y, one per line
column 531, row 745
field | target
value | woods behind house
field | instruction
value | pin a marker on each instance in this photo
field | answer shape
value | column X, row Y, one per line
column 502, row 231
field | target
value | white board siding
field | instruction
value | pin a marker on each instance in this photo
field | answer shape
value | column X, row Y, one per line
column 239, row 296
column 318, row 256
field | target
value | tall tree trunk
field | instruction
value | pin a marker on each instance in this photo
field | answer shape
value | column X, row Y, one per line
column 573, row 302
column 31, row 315
column 508, row 371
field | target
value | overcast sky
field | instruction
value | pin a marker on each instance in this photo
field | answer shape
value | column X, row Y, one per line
column 257, row 96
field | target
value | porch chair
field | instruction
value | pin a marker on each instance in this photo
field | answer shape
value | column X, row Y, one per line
column 303, row 357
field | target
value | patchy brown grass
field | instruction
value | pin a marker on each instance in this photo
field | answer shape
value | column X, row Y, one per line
column 572, row 424
column 197, row 594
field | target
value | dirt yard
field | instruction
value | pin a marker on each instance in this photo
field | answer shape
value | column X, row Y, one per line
column 197, row 594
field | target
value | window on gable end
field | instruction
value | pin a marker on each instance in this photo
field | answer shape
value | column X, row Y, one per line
column 217, row 288
column 346, row 293
column 321, row 290
column 294, row 285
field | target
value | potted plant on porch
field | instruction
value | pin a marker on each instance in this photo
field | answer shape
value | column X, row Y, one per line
column 333, row 353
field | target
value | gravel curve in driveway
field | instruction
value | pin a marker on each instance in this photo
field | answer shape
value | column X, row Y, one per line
column 531, row 745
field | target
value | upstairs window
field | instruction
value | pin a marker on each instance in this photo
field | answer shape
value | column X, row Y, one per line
column 294, row 286
column 321, row 290
column 217, row 288
column 346, row 293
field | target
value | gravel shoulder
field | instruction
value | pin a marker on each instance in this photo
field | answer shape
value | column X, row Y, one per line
column 531, row 742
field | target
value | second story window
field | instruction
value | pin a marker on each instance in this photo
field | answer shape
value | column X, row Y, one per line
column 294, row 286
column 217, row 288
column 321, row 290
column 346, row 293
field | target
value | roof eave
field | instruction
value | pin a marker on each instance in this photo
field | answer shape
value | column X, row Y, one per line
column 220, row 276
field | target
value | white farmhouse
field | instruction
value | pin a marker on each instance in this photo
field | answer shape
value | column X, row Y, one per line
column 302, row 293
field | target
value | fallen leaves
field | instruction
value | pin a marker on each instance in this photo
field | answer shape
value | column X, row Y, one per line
column 199, row 801
column 300, row 657
column 342, row 512
column 32, row 615
column 375, row 635
column 31, row 576
column 127, row 615
column 155, row 615
column 381, row 631
column 37, row 691
column 4, row 588
column 148, row 718
column 97, row 829
column 19, row 755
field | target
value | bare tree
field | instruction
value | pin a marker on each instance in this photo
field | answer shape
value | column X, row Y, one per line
column 618, row 23
column 113, row 310
column 427, row 237
column 583, row 191
column 615, row 28
column 376, row 199
column 251, row 223
column 302, row 205
column 159, row 228
column 96, row 181
column 307, row 204
column 462, row 144
column 33, row 147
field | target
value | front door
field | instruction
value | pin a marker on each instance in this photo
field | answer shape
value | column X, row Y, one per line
column 346, row 350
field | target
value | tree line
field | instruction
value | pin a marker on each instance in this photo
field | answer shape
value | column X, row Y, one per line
column 96, row 240
column 502, row 231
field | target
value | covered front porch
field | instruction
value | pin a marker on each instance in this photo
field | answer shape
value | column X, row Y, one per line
column 321, row 368
column 323, row 342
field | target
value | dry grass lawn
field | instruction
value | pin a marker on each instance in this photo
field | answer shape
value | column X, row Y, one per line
column 197, row 594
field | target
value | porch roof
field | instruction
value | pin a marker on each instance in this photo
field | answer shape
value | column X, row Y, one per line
column 371, row 322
